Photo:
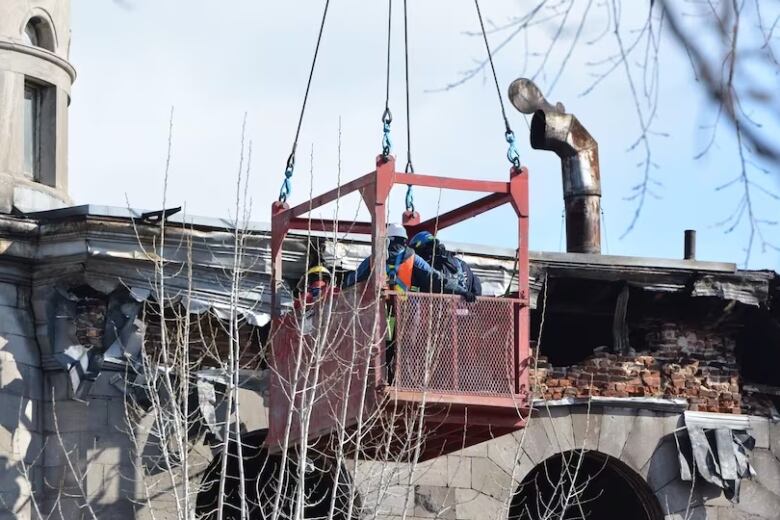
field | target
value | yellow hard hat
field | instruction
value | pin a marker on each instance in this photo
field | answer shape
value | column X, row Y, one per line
column 319, row 270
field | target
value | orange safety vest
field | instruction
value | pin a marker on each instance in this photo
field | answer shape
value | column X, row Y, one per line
column 399, row 273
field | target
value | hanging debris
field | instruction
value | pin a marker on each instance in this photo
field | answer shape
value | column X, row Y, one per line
column 720, row 445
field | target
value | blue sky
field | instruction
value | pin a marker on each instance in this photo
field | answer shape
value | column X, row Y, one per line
column 213, row 64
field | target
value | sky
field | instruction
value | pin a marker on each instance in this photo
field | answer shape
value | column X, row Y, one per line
column 136, row 59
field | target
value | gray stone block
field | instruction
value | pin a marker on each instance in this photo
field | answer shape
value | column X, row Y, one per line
column 61, row 479
column 64, row 508
column 434, row 502
column 24, row 297
column 58, row 449
column 22, row 349
column 533, row 439
column 11, row 375
column 8, row 294
column 458, row 471
column 732, row 513
column 102, row 388
column 56, row 387
column 118, row 421
column 392, row 500
column 431, row 473
column 75, row 416
column 16, row 321
column 774, row 438
column 473, row 505
column 477, row 450
column 116, row 510
column 557, row 423
column 505, row 451
column 759, row 429
column 19, row 378
column 644, row 438
column 108, row 448
column 663, row 466
column 11, row 479
column 93, row 481
column 27, row 446
column 586, row 425
column 767, row 468
column 678, row 496
column 616, row 425
column 16, row 410
column 120, row 482
column 18, row 505
column 488, row 478
column 755, row 499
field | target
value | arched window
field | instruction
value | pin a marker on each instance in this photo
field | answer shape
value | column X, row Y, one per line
column 584, row 484
column 38, row 33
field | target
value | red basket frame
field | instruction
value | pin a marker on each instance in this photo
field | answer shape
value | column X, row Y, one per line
column 492, row 412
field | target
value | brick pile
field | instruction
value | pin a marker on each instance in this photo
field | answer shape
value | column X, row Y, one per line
column 680, row 361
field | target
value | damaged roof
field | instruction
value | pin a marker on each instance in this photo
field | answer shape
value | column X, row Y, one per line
column 109, row 240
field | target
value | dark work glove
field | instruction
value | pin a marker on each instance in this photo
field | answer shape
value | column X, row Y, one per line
column 470, row 297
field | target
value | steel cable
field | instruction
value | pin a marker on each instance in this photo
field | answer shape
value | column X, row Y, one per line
column 387, row 115
column 286, row 189
column 512, row 155
column 409, row 166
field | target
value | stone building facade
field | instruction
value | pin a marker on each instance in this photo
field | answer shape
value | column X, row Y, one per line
column 643, row 363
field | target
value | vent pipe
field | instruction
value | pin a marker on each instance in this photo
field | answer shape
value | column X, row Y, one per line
column 555, row 130
column 689, row 252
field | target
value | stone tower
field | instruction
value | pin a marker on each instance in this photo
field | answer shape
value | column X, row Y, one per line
column 35, row 83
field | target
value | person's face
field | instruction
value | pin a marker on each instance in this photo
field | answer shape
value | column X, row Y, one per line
column 316, row 287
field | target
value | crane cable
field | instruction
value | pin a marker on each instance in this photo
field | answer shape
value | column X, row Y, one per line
column 409, row 166
column 387, row 116
column 286, row 189
column 511, row 154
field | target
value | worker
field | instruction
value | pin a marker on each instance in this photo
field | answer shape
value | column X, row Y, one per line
column 314, row 286
column 433, row 251
column 407, row 271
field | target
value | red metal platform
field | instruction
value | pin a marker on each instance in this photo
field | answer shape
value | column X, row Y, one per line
column 457, row 373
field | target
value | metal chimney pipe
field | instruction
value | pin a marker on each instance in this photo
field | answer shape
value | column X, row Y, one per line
column 555, row 130
column 690, row 244
column 563, row 134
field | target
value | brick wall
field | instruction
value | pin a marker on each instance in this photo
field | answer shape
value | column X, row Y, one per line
column 680, row 360
column 90, row 320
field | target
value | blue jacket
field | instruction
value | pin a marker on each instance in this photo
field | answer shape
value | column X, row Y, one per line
column 424, row 277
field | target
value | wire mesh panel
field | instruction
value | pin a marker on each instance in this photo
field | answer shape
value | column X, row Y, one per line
column 444, row 344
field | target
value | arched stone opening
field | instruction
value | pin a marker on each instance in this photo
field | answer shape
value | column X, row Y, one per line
column 38, row 32
column 577, row 484
column 325, row 487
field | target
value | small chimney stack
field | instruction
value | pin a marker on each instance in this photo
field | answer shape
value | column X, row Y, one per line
column 690, row 244
column 555, row 130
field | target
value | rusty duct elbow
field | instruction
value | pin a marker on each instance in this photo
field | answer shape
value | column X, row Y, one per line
column 563, row 134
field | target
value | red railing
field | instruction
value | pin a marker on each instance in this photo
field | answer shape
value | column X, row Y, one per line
column 324, row 361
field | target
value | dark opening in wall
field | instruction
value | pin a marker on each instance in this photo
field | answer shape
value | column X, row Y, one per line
column 578, row 317
column 758, row 348
column 578, row 484
column 325, row 487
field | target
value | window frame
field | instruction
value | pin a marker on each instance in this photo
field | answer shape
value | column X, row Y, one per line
column 32, row 165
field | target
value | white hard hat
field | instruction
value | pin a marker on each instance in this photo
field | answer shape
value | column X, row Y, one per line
column 396, row 230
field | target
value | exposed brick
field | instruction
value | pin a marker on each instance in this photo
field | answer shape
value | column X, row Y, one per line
column 681, row 360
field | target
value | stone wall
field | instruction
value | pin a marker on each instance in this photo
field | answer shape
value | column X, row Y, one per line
column 21, row 394
column 478, row 483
